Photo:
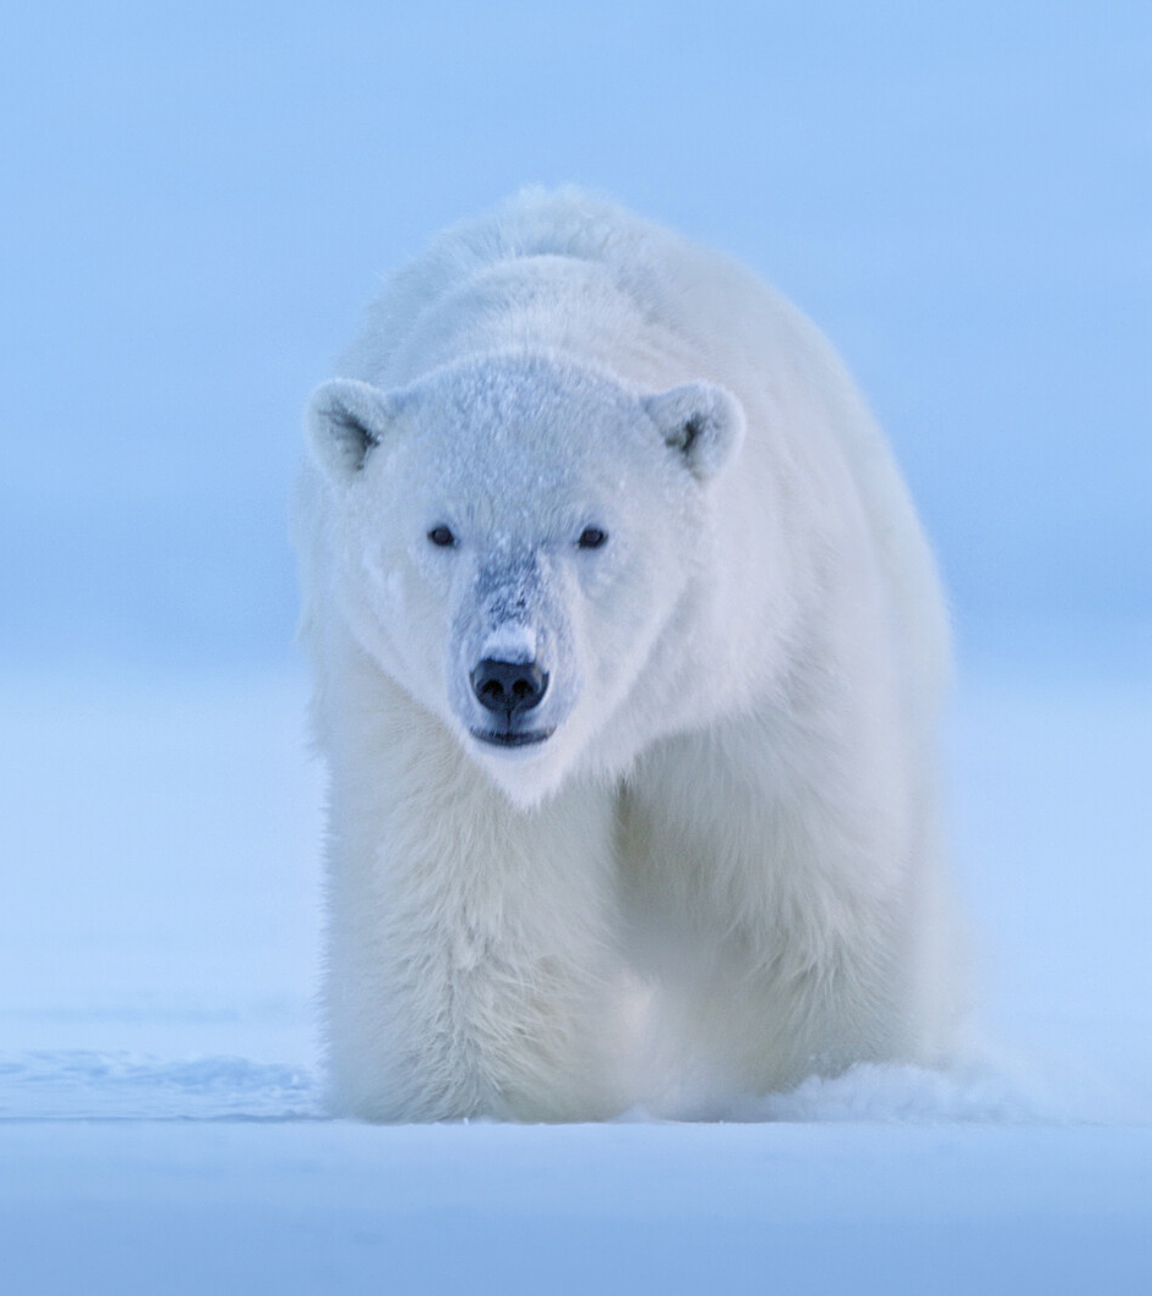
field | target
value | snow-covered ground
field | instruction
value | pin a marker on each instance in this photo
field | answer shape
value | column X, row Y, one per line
column 161, row 1128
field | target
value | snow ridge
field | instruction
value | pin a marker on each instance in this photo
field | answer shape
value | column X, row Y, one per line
column 90, row 1084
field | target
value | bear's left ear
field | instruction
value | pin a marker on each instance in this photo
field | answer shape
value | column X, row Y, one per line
column 703, row 422
column 345, row 420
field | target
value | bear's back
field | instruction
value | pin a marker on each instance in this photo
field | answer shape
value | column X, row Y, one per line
column 666, row 279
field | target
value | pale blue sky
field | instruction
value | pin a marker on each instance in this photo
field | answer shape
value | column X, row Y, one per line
column 195, row 205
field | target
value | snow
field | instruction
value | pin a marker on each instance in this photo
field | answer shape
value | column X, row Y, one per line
column 161, row 1115
column 310, row 1207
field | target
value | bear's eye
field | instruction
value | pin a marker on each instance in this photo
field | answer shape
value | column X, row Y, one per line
column 591, row 538
column 440, row 535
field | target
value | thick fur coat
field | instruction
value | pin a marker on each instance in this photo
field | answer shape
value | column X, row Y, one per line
column 628, row 651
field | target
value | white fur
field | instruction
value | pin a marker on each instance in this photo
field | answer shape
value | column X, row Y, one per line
column 720, row 873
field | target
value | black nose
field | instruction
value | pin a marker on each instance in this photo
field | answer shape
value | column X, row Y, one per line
column 510, row 687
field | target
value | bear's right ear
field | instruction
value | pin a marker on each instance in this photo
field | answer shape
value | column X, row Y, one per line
column 344, row 420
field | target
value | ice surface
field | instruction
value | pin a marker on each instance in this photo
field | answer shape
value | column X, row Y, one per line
column 319, row 1208
column 161, row 1125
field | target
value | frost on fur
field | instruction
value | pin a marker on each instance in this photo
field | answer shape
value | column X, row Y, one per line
column 627, row 652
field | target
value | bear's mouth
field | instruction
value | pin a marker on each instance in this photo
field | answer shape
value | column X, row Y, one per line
column 512, row 738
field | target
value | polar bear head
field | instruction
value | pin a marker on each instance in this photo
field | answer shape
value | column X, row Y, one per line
column 513, row 535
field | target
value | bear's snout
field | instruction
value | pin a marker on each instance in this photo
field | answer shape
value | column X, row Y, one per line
column 509, row 688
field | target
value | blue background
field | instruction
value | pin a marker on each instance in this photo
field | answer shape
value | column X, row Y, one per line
column 197, row 204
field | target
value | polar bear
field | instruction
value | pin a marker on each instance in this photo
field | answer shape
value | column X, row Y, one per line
column 628, row 651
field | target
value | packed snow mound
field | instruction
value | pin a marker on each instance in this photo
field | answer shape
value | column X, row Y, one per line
column 916, row 1095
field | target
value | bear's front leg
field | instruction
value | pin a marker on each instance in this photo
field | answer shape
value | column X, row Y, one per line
column 471, row 946
column 784, row 890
